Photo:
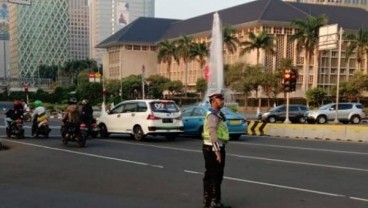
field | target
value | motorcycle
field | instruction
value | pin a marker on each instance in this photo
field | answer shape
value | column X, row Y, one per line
column 15, row 128
column 43, row 129
column 73, row 133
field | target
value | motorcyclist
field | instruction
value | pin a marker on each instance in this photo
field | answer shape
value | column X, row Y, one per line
column 14, row 113
column 72, row 113
column 87, row 113
column 38, row 115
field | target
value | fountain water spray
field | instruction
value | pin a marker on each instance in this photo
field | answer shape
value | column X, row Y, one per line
column 216, row 81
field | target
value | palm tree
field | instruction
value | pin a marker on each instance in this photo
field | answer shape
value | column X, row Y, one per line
column 359, row 43
column 306, row 35
column 199, row 52
column 263, row 41
column 185, row 45
column 231, row 42
column 167, row 52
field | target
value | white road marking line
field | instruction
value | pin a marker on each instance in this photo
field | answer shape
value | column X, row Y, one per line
column 359, row 199
column 300, row 163
column 248, row 157
column 283, row 187
column 302, row 148
column 87, row 154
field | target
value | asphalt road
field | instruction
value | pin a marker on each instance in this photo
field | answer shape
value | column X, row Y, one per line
column 118, row 172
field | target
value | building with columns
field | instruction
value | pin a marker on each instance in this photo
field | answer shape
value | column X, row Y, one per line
column 273, row 16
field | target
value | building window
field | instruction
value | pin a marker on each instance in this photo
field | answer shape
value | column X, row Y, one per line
column 137, row 48
column 144, row 48
column 129, row 47
column 153, row 48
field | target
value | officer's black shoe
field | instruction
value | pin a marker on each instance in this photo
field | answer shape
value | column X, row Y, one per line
column 219, row 205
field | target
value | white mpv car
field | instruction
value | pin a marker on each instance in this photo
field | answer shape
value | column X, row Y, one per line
column 140, row 118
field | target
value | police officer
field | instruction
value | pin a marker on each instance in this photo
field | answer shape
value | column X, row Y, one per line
column 215, row 136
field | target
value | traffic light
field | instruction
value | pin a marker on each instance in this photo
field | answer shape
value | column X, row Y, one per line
column 293, row 79
column 286, row 80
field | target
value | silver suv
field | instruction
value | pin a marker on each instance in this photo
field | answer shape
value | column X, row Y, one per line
column 347, row 112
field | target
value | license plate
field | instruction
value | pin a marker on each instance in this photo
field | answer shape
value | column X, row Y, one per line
column 235, row 122
column 167, row 120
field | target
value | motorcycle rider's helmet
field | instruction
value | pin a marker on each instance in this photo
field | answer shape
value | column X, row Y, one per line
column 17, row 104
column 84, row 102
column 37, row 103
column 73, row 100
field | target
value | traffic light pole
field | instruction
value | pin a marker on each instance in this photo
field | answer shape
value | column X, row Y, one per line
column 287, row 121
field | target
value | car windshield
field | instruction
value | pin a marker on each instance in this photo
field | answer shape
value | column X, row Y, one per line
column 325, row 107
column 166, row 107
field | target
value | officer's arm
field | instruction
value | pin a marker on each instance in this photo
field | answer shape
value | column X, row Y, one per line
column 212, row 125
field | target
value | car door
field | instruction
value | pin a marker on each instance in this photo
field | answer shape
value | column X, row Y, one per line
column 127, row 118
column 293, row 112
column 111, row 120
column 331, row 112
column 344, row 111
column 281, row 113
column 187, row 119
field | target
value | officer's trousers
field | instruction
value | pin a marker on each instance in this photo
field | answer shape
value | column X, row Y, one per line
column 213, row 175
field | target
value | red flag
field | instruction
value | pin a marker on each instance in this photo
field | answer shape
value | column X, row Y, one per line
column 206, row 73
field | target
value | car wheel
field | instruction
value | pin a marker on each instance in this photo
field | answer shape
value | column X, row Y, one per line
column 271, row 119
column 138, row 133
column 355, row 119
column 301, row 119
column 235, row 136
column 103, row 131
column 321, row 119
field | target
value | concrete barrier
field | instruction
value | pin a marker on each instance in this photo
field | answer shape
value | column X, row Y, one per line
column 314, row 131
column 356, row 133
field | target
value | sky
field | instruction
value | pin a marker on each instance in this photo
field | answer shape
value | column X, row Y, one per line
column 184, row 9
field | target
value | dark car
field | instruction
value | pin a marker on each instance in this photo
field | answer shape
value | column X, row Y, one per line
column 278, row 113
column 193, row 118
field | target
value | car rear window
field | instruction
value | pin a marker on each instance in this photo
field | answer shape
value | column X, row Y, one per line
column 166, row 107
column 359, row 106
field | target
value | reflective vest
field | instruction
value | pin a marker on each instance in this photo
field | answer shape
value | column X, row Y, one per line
column 221, row 130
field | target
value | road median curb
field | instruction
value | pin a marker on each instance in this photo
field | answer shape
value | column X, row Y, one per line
column 325, row 131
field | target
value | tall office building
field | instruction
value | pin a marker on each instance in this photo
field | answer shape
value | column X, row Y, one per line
column 39, row 34
column 79, row 29
column 352, row 3
column 4, row 39
column 109, row 16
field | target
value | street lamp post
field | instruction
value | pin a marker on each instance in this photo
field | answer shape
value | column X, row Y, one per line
column 338, row 76
column 143, row 71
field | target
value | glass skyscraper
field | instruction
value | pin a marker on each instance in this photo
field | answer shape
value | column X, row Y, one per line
column 39, row 35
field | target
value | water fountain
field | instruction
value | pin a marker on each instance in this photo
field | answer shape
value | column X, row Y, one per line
column 216, row 64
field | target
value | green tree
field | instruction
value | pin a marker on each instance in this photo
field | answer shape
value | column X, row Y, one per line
column 157, row 85
column 167, row 52
column 243, row 78
column 262, row 41
column 174, row 87
column 131, row 87
column 199, row 52
column 185, row 45
column 359, row 43
column 201, row 86
column 316, row 96
column 231, row 42
column 306, row 35
column 48, row 72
